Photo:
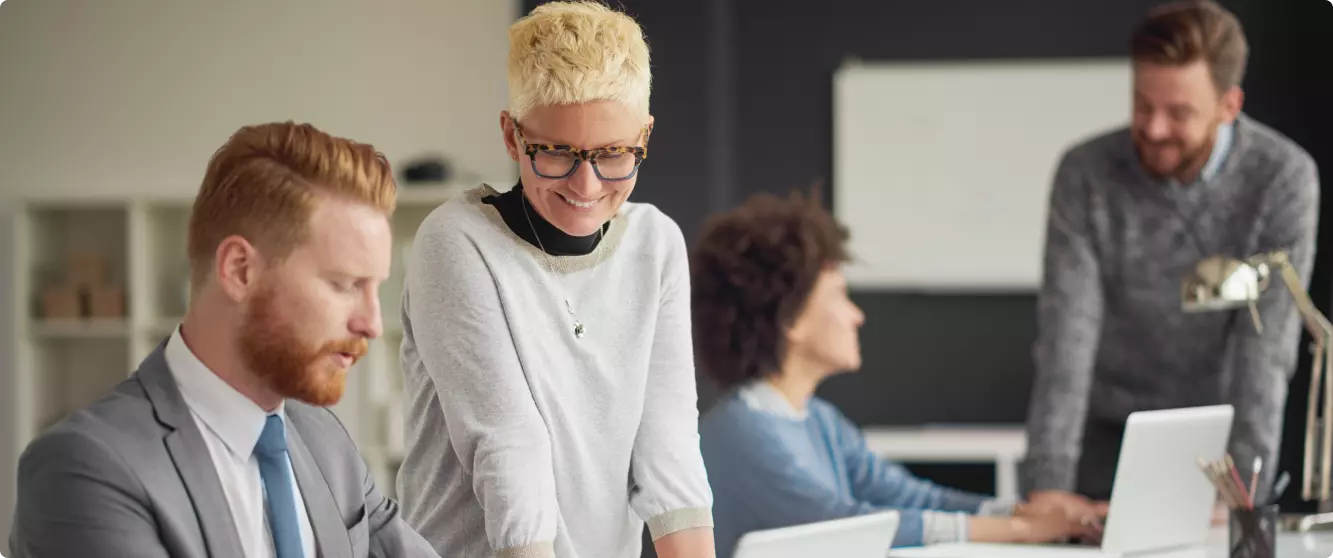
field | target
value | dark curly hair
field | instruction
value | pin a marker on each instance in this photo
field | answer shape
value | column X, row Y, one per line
column 753, row 269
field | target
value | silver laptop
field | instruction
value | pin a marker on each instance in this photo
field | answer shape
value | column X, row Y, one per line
column 1160, row 501
column 862, row 536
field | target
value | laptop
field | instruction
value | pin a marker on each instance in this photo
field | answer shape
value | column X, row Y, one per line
column 862, row 536
column 1160, row 502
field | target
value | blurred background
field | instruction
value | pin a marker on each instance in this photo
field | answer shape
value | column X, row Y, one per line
column 110, row 110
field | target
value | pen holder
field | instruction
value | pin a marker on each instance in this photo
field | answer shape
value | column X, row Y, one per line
column 1253, row 533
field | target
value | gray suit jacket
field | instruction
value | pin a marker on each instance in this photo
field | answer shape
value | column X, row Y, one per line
column 130, row 476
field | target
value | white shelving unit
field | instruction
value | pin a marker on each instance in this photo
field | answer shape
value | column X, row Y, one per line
column 64, row 364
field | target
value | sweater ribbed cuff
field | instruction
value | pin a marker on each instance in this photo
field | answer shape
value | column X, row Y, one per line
column 943, row 527
column 679, row 520
column 534, row 550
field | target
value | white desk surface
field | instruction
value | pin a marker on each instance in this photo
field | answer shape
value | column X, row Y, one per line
column 1289, row 545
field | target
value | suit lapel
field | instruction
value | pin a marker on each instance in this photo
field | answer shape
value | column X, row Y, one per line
column 190, row 454
column 325, row 519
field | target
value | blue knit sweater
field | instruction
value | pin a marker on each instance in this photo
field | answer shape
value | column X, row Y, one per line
column 772, row 466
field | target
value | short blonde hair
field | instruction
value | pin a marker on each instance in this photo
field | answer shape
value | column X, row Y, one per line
column 565, row 53
column 263, row 182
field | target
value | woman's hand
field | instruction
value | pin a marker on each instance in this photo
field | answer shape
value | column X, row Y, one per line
column 1049, row 516
column 1031, row 527
column 1083, row 523
column 1074, row 507
column 1052, row 524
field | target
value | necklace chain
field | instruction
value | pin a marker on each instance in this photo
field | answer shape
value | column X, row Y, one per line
column 579, row 329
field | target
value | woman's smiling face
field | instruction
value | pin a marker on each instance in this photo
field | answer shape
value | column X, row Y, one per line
column 578, row 204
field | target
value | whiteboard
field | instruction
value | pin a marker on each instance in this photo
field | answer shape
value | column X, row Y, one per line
column 942, row 171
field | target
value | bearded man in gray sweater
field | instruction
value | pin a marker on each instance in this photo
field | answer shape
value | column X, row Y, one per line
column 1131, row 212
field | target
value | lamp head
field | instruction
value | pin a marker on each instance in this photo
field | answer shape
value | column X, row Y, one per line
column 1223, row 283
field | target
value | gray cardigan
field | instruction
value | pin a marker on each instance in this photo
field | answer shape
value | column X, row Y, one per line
column 1112, row 336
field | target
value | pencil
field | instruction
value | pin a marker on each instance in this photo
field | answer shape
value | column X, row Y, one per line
column 1226, row 481
column 1210, row 471
column 1254, row 479
column 1244, row 493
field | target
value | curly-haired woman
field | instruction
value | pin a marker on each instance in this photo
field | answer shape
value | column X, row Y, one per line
column 772, row 319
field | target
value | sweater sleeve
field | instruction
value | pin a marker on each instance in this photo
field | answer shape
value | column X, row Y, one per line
column 931, row 514
column 671, row 491
column 886, row 483
column 756, row 468
column 459, row 326
column 1069, row 316
column 1259, row 365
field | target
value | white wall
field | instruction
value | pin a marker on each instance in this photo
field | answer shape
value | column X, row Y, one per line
column 133, row 96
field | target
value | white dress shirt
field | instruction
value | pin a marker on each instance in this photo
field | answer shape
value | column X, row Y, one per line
column 231, row 424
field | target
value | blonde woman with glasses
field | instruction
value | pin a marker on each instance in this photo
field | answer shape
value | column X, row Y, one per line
column 547, row 350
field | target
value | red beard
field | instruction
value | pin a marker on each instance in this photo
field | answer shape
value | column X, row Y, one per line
column 293, row 370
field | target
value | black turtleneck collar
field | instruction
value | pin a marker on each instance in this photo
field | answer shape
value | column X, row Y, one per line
column 553, row 240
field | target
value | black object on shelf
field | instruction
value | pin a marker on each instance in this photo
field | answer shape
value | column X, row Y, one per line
column 428, row 170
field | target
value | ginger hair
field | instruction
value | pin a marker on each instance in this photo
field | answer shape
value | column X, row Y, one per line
column 264, row 182
column 565, row 53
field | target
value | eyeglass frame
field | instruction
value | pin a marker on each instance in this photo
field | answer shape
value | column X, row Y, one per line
column 640, row 154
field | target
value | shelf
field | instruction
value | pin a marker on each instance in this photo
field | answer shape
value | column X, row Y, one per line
column 93, row 328
column 418, row 195
column 75, row 373
column 166, row 263
column 53, row 237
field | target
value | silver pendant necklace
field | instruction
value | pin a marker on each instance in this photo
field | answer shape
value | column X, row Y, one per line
column 579, row 329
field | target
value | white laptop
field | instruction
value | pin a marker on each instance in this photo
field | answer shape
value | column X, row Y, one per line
column 1160, row 503
column 862, row 536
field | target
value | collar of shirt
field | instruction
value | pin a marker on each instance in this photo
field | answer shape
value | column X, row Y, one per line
column 1221, row 147
column 232, row 416
column 761, row 396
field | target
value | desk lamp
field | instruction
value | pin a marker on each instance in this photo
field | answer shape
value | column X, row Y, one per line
column 1221, row 283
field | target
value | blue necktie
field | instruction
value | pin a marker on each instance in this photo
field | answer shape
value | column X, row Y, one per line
column 271, row 451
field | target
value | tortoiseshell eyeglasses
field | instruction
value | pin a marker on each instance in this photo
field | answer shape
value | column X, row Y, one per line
column 560, row 161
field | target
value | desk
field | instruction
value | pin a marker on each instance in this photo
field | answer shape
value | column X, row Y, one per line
column 1289, row 545
column 1004, row 446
